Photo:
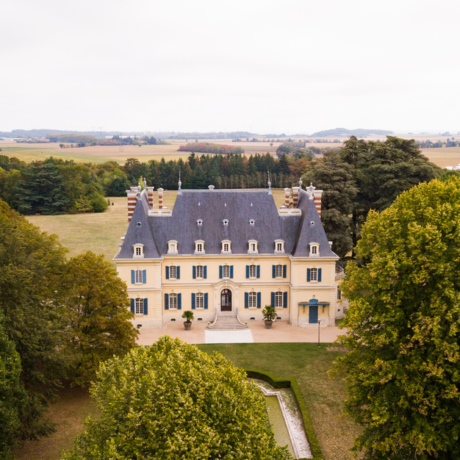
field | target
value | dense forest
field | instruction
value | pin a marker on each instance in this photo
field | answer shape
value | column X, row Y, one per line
column 57, row 186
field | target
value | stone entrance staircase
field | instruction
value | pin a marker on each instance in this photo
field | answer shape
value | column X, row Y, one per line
column 227, row 322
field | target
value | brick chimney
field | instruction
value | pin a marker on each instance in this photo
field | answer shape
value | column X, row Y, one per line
column 160, row 198
column 317, row 195
column 150, row 196
column 133, row 194
column 295, row 196
column 287, row 196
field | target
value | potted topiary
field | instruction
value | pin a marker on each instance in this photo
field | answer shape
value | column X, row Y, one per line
column 269, row 315
column 188, row 315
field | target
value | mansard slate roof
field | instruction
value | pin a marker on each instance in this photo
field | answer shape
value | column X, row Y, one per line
column 213, row 206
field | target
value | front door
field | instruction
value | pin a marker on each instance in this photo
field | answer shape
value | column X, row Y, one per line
column 226, row 300
column 313, row 314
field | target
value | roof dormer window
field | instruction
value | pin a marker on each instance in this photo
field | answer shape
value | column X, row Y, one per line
column 252, row 222
column 226, row 247
column 225, row 222
column 199, row 222
column 253, row 249
column 279, row 246
column 314, row 249
column 199, row 247
column 138, row 250
column 172, row 247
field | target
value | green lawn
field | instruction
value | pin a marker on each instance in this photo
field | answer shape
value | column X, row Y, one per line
column 306, row 362
column 309, row 364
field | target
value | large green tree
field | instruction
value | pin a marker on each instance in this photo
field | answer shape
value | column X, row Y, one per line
column 12, row 394
column 374, row 174
column 403, row 328
column 42, row 189
column 172, row 401
column 30, row 266
column 95, row 311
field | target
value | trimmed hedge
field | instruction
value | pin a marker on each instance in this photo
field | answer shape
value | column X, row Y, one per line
column 294, row 386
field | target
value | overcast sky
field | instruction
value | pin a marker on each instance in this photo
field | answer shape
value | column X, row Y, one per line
column 217, row 65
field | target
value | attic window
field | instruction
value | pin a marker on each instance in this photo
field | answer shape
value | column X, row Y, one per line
column 172, row 247
column 225, row 222
column 138, row 250
column 199, row 222
column 314, row 249
column 279, row 246
column 226, row 247
column 199, row 247
column 312, row 223
column 253, row 247
column 252, row 222
column 139, row 224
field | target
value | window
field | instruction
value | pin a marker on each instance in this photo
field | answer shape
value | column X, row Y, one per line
column 279, row 271
column 138, row 250
column 173, row 301
column 278, row 300
column 339, row 293
column 138, row 277
column 199, row 302
column 252, row 271
column 139, row 306
column 173, row 272
column 226, row 246
column 225, row 222
column 252, row 300
column 252, row 222
column 172, row 247
column 199, row 222
column 199, row 247
column 226, row 271
column 314, row 274
column 279, row 246
column 199, row 271
column 314, row 250
column 252, row 246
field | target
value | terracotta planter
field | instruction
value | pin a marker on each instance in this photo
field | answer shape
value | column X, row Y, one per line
column 268, row 324
column 187, row 325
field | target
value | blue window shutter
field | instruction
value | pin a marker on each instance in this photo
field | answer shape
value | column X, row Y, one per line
column 166, row 301
column 194, row 272
column 285, row 305
column 193, row 301
column 231, row 271
column 178, row 273
column 258, row 271
column 205, row 300
column 308, row 275
column 220, row 271
column 144, row 276
column 146, row 306
column 132, row 305
column 273, row 271
column 246, row 300
column 205, row 272
column 284, row 271
column 247, row 271
column 259, row 302
column 319, row 274
column 179, row 301
column 133, row 277
column 273, row 299
column 167, row 273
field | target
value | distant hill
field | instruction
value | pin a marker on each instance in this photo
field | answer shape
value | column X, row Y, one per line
column 342, row 132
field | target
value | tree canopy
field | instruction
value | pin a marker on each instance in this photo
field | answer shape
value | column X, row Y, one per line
column 170, row 401
column 373, row 174
column 403, row 366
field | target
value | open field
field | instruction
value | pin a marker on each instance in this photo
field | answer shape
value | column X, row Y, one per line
column 447, row 156
column 306, row 362
column 101, row 232
column 69, row 413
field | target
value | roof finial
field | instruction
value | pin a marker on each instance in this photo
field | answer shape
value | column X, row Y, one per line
column 300, row 182
column 269, row 182
column 179, row 191
column 145, row 183
column 310, row 190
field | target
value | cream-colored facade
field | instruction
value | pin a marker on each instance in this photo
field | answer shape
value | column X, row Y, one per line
column 304, row 290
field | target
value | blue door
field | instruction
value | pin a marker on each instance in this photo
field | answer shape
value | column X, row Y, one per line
column 313, row 314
